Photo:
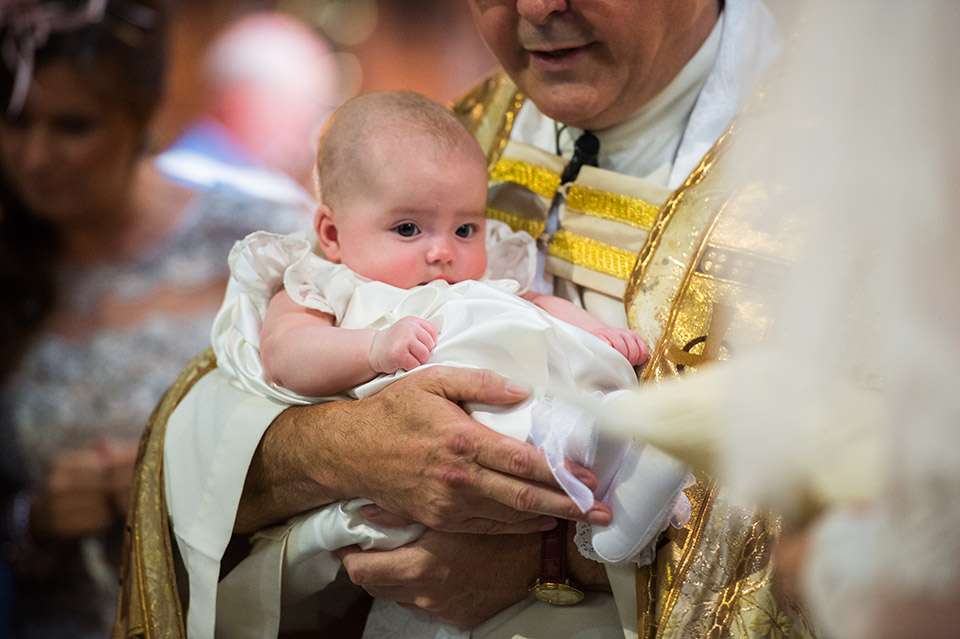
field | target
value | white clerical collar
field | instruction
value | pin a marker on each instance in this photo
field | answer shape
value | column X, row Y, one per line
column 645, row 144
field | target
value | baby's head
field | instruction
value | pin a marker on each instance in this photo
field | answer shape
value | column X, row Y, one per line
column 403, row 188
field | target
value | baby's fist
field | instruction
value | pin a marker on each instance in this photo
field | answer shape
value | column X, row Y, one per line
column 403, row 345
column 627, row 343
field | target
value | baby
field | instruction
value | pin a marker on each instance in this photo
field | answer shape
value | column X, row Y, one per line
column 404, row 204
column 415, row 275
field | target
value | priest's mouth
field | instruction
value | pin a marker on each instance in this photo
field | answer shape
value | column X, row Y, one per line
column 556, row 59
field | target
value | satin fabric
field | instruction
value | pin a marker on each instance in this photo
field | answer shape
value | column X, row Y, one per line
column 481, row 325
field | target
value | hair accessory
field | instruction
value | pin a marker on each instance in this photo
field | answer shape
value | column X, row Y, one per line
column 29, row 24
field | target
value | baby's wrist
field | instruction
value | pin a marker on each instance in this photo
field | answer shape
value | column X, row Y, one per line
column 373, row 352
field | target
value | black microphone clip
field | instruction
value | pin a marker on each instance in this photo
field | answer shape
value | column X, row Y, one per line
column 585, row 153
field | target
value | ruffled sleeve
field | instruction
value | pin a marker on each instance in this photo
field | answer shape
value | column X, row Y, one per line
column 317, row 283
column 510, row 255
column 260, row 265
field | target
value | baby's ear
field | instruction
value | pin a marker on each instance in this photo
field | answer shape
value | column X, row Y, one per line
column 327, row 236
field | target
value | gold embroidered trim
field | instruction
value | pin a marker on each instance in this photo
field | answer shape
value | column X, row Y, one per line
column 755, row 543
column 612, row 206
column 696, row 526
column 148, row 603
column 668, row 210
column 576, row 249
column 517, row 222
column 500, row 139
column 592, row 254
column 585, row 199
column 538, row 179
column 492, row 104
column 660, row 350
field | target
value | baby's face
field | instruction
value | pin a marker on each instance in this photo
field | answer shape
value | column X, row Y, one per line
column 423, row 219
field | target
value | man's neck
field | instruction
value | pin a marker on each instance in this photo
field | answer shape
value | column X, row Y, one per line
column 645, row 143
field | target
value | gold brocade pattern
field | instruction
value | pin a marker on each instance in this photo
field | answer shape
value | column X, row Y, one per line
column 496, row 97
column 704, row 300
column 592, row 254
column 148, row 604
column 576, row 249
column 697, row 293
column 698, row 312
column 488, row 111
column 584, row 199
column 612, row 206
column 714, row 581
column 542, row 181
column 668, row 210
column 517, row 222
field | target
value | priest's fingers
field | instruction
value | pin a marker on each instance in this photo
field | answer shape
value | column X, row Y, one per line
column 512, row 473
column 518, row 476
column 463, row 385
column 511, row 457
column 527, row 497
column 442, row 468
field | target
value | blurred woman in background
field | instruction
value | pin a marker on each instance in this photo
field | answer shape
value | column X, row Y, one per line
column 110, row 275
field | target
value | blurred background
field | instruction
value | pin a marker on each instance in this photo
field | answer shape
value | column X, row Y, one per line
column 123, row 185
column 429, row 46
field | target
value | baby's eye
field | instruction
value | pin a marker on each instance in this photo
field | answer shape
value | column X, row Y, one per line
column 466, row 230
column 406, row 229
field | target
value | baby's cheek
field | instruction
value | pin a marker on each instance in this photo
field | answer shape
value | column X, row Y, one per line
column 399, row 271
column 475, row 266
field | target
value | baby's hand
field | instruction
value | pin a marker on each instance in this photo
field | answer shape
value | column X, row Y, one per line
column 626, row 342
column 404, row 345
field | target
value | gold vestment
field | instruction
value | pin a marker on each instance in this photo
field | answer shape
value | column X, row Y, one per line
column 698, row 288
column 149, row 603
column 692, row 271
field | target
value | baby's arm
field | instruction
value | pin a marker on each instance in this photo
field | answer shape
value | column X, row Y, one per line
column 303, row 351
column 628, row 343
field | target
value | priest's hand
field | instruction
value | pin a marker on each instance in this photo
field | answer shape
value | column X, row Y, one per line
column 462, row 579
column 455, row 578
column 413, row 450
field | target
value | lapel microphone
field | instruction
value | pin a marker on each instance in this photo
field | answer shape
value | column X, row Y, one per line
column 585, row 152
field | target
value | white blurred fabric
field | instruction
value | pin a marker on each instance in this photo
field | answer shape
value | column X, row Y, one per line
column 847, row 418
column 861, row 137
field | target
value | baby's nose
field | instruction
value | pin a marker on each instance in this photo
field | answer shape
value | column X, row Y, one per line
column 440, row 251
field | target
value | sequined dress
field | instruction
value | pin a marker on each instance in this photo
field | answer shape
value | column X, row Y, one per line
column 74, row 392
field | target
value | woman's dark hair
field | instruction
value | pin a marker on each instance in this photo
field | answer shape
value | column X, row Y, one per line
column 29, row 249
column 123, row 54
